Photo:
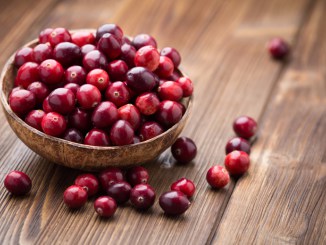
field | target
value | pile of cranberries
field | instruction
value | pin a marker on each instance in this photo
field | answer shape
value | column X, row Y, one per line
column 99, row 89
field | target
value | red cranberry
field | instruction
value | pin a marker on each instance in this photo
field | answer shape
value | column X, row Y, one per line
column 46, row 106
column 105, row 206
column 184, row 150
column 97, row 137
column 278, row 48
column 136, row 140
column 217, row 177
column 94, row 59
column 121, row 133
column 118, row 70
column 114, row 29
column 165, row 67
column 237, row 144
column 237, row 162
column 142, row 196
column 41, row 52
column 150, row 130
column 173, row 54
column 44, row 35
column 75, row 196
column 128, row 53
column 109, row 45
column 87, row 48
column 118, row 93
column 142, row 40
column 126, row 40
column 53, row 124
column 27, row 74
column 137, row 175
column 105, row 114
column 170, row 91
column 99, row 78
column 73, row 87
column 184, row 185
column 131, row 114
column 73, row 135
column 34, row 119
column 245, row 127
column 169, row 113
column 147, row 103
column 40, row 90
column 22, row 101
column 23, row 56
column 67, row 54
column 59, row 35
column 80, row 120
column 51, row 71
column 119, row 191
column 81, row 38
column 75, row 74
column 140, row 79
column 147, row 57
column 175, row 76
column 186, row 85
column 89, row 182
column 110, row 176
column 62, row 100
column 88, row 96
column 174, row 202
column 18, row 183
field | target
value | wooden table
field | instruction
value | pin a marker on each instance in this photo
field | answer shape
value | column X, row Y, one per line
column 282, row 198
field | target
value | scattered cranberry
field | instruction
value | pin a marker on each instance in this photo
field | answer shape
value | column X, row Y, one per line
column 23, row 56
column 18, row 183
column 118, row 93
column 80, row 120
column 104, row 115
column 173, row 54
column 75, row 196
column 46, row 106
column 105, row 206
column 99, row 78
column 119, row 191
column 184, row 150
column 147, row 103
column 278, row 48
column 169, row 113
column 34, row 119
column 27, row 74
column 245, row 127
column 53, row 124
column 150, row 130
column 118, row 70
column 73, row 135
column 94, row 59
column 128, row 53
column 217, row 177
column 110, row 176
column 67, row 54
column 87, row 48
column 137, row 175
column 121, row 133
column 73, row 87
column 109, row 45
column 51, row 71
column 62, row 100
column 44, row 35
column 165, row 67
column 186, row 85
column 237, row 144
column 140, row 79
column 113, row 29
column 59, row 35
column 81, row 38
column 22, row 101
column 40, row 90
column 184, row 185
column 237, row 162
column 174, row 202
column 170, row 91
column 97, row 137
column 88, row 96
column 142, row 196
column 89, row 182
column 131, row 114
column 142, row 40
column 41, row 52
column 147, row 57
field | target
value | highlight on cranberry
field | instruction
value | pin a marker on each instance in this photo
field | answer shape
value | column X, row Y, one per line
column 18, row 183
column 237, row 163
column 184, row 150
column 217, row 177
column 245, row 127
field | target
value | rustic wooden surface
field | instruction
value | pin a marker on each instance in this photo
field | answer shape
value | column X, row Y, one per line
column 280, row 201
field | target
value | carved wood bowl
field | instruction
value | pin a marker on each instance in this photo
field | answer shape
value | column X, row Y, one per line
column 81, row 156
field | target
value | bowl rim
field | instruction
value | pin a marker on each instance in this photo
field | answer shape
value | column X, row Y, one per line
column 5, row 104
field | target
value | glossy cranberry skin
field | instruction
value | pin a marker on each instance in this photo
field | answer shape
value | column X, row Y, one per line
column 128, row 53
column 67, row 54
column 89, row 182
column 22, row 101
column 147, row 103
column 54, row 124
column 62, row 100
column 169, row 113
column 88, row 96
column 51, row 71
column 59, row 35
column 27, row 74
column 118, row 70
column 147, row 57
column 18, row 183
column 44, row 35
column 104, row 115
column 131, row 114
column 75, row 196
column 81, row 38
column 245, row 127
column 140, row 79
column 121, row 133
column 175, row 76
column 41, row 52
column 126, row 40
column 73, row 87
column 142, row 196
column 184, row 185
column 237, row 144
column 142, row 40
column 170, row 91
column 174, row 203
column 184, row 150
column 34, row 119
column 113, row 29
column 40, row 90
column 95, row 59
column 150, row 130
column 278, row 48
column 23, row 55
column 99, row 78
column 119, row 191
column 75, row 74
column 97, row 137
column 110, row 46
column 118, row 93
column 186, row 85
column 87, row 48
column 237, row 162
column 73, row 135
column 46, row 106
column 217, row 177
column 173, row 54
column 105, row 206
column 137, row 175
column 80, row 120
column 110, row 176
column 165, row 67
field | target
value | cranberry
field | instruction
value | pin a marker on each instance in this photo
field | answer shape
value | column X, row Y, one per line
column 89, row 182
column 44, row 35
column 142, row 40
column 147, row 103
column 34, row 119
column 87, row 48
column 186, row 85
column 118, row 93
column 99, row 78
column 150, row 130
column 94, row 59
column 75, row 196
column 73, row 135
column 174, row 202
column 278, row 48
column 217, row 177
column 105, row 114
column 113, row 29
column 41, row 52
column 75, row 74
column 51, row 71
column 118, row 70
column 105, row 206
column 237, row 162
column 147, row 57
column 109, row 45
column 62, row 100
column 170, row 91
column 175, row 76
column 184, row 150
column 136, row 140
column 59, row 35
column 140, row 79
column 80, row 120
column 142, row 196
column 128, row 53
column 237, row 144
column 67, row 54
column 81, row 38
column 73, row 87
column 169, row 113
column 126, row 40
column 27, row 74
column 119, row 191
column 53, row 124
column 22, row 101
column 137, row 175
column 46, row 106
column 122, row 133
column 40, row 90
column 173, row 54
column 97, row 137
column 245, row 127
column 165, row 67
column 18, row 183
column 131, row 114
column 88, row 96
column 184, row 185
column 110, row 176
column 23, row 56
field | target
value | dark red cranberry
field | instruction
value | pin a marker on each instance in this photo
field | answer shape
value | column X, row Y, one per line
column 81, row 38
column 67, row 54
column 131, row 114
column 114, row 29
column 22, row 101
column 142, row 40
column 147, row 57
column 105, row 206
column 175, row 76
column 245, row 127
column 62, row 100
column 75, row 196
column 41, row 52
column 99, row 78
column 184, row 150
column 97, row 137
column 75, row 74
column 40, row 90
column 95, row 59
column 121, row 133
column 27, row 74
column 169, row 113
column 184, row 185
column 54, row 124
column 118, row 93
column 128, row 53
column 105, row 114
column 46, row 106
column 237, row 144
column 23, row 56
column 137, row 175
column 237, row 162
column 73, row 135
column 174, row 203
column 51, row 72
column 18, row 183
column 109, row 45
column 118, row 70
column 126, row 40
column 140, row 79
column 88, row 96
column 87, row 48
column 34, row 119
column 136, row 140
column 173, row 54
column 150, row 130
column 186, row 85
column 59, row 35
column 278, row 48
column 147, row 103
column 73, row 87
column 44, row 35
column 80, row 120
column 217, row 177
column 142, row 196
column 165, row 67
column 110, row 176
column 170, row 91
column 89, row 182
column 119, row 191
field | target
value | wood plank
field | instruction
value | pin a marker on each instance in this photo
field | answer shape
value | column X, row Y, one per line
column 282, row 200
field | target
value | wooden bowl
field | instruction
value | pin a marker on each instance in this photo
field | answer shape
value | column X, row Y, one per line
column 81, row 156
